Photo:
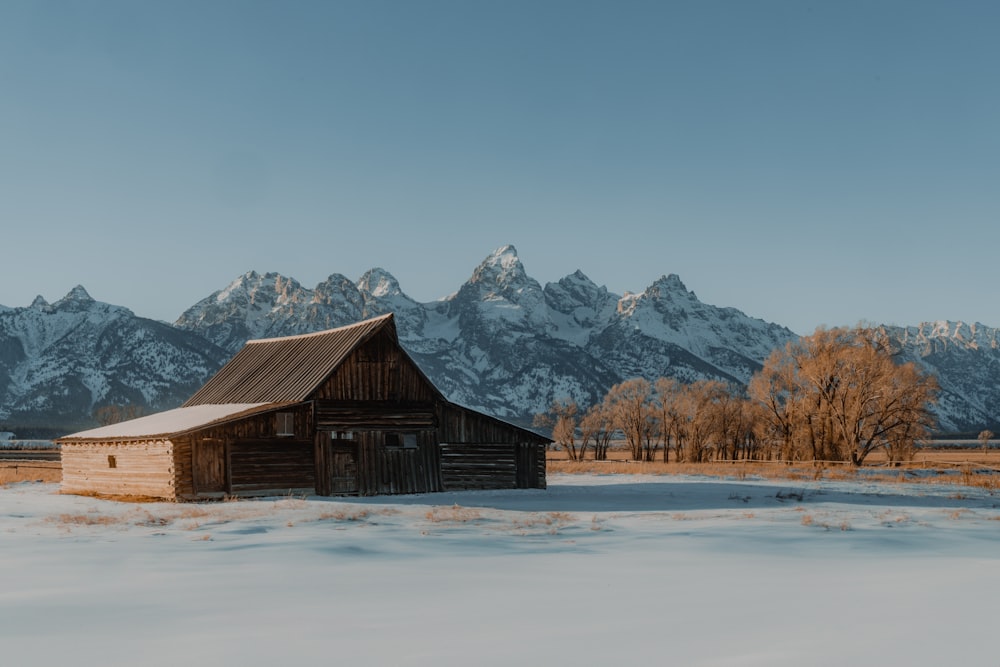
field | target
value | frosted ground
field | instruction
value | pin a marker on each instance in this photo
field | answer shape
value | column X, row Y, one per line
column 595, row 570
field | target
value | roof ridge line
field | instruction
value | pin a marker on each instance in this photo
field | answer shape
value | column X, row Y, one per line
column 321, row 333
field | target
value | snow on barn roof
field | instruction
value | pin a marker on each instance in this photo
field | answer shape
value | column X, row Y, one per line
column 171, row 422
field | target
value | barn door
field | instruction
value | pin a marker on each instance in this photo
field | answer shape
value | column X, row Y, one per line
column 208, row 465
column 337, row 464
column 344, row 469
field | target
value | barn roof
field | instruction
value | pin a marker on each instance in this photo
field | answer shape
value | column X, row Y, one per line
column 289, row 369
column 172, row 422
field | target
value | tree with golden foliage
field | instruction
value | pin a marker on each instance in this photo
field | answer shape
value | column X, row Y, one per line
column 631, row 411
column 670, row 425
column 597, row 425
column 561, row 418
column 839, row 395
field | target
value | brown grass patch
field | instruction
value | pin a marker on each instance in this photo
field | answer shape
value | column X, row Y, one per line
column 345, row 514
column 30, row 471
column 90, row 519
column 967, row 468
column 454, row 514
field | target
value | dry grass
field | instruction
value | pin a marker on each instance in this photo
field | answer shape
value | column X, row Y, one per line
column 68, row 520
column 963, row 467
column 548, row 519
column 454, row 514
column 30, row 471
column 344, row 514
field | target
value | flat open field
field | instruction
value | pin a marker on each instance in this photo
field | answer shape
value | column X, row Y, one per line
column 596, row 569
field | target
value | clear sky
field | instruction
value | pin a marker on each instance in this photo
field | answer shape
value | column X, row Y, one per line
column 807, row 162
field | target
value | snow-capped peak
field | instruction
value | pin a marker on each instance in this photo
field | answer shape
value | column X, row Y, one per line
column 671, row 284
column 77, row 300
column 78, row 293
column 379, row 283
column 502, row 268
column 238, row 285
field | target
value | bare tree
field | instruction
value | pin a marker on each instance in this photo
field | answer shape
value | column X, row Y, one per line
column 561, row 418
column 984, row 439
column 598, row 424
column 733, row 424
column 840, row 394
column 668, row 418
column 699, row 412
column 631, row 411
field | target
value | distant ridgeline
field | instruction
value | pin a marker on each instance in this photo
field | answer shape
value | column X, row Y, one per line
column 502, row 343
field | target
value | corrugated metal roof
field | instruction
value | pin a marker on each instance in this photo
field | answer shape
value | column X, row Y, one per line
column 171, row 422
column 286, row 370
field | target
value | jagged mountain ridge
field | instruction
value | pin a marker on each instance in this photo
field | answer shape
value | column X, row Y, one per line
column 59, row 361
column 502, row 342
column 966, row 360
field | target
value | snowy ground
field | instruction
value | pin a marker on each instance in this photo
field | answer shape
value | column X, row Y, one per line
column 595, row 570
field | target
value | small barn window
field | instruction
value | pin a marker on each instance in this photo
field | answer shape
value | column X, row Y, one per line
column 342, row 435
column 286, row 424
column 404, row 440
column 112, row 461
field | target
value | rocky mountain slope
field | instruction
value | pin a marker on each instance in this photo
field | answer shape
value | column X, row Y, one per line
column 502, row 343
column 60, row 361
column 966, row 360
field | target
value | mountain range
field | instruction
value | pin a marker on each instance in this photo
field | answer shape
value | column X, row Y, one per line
column 502, row 343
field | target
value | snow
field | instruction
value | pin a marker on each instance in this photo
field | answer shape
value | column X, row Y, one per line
column 169, row 421
column 593, row 570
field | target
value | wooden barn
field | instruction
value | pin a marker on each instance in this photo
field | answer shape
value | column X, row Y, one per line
column 340, row 412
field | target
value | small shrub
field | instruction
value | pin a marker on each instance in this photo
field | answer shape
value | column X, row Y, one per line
column 346, row 514
column 454, row 514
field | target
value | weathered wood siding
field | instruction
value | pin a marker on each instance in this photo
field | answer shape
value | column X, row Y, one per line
column 480, row 452
column 531, row 466
column 143, row 469
column 374, row 415
column 375, row 468
column 478, row 466
column 377, row 371
column 274, row 465
column 376, row 391
column 205, row 460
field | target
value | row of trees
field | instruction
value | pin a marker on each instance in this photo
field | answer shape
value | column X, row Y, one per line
column 836, row 395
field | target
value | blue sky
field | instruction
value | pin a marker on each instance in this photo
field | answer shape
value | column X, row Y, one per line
column 807, row 162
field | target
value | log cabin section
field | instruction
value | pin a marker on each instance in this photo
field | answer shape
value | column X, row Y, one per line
column 339, row 412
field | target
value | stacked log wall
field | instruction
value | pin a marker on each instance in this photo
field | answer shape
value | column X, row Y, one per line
column 275, row 466
column 480, row 452
column 139, row 469
column 478, row 466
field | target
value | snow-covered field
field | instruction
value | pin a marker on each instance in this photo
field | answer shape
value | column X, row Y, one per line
column 595, row 570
